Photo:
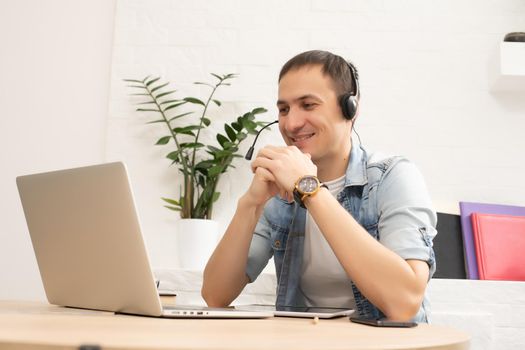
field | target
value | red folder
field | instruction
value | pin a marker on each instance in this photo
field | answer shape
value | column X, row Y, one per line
column 500, row 246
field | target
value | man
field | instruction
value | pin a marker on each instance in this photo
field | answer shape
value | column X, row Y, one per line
column 345, row 228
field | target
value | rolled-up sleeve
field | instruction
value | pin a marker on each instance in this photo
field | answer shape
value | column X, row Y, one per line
column 260, row 249
column 407, row 222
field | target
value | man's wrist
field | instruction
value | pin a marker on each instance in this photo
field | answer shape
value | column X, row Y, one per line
column 246, row 202
column 310, row 200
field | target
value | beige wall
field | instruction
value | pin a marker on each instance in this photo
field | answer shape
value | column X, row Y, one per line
column 54, row 80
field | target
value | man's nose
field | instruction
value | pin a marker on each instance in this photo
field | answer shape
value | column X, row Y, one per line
column 294, row 120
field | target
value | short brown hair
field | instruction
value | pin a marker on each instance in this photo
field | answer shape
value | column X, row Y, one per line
column 333, row 65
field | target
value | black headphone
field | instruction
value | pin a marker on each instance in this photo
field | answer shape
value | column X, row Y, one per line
column 350, row 100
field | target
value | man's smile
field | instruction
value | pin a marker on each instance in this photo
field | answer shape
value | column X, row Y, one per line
column 302, row 137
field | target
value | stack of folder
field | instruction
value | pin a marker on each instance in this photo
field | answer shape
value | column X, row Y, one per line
column 493, row 241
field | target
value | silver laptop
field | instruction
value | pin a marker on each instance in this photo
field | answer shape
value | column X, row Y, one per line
column 89, row 247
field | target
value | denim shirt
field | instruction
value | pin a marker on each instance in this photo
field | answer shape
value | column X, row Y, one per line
column 386, row 196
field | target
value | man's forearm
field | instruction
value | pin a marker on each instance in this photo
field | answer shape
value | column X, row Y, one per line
column 386, row 279
column 225, row 274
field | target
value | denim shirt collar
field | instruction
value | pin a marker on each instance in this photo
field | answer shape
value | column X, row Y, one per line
column 356, row 169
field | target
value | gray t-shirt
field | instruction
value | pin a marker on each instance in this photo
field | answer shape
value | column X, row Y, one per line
column 324, row 282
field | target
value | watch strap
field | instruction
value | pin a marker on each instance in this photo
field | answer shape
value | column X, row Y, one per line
column 299, row 198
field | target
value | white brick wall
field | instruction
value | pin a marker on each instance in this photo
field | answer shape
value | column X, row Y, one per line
column 424, row 77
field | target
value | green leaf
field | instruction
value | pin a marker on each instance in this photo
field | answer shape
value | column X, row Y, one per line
column 146, row 78
column 174, row 155
column 202, row 181
column 146, row 103
column 147, row 110
column 230, row 132
column 137, row 86
column 205, row 164
column 187, row 130
column 215, row 170
column 159, row 87
column 173, row 208
column 201, row 83
column 169, row 101
column 164, row 93
column 259, row 110
column 206, row 121
column 191, row 145
column 194, row 100
column 175, row 105
column 222, row 140
column 223, row 154
column 248, row 116
column 217, row 76
column 216, row 196
column 170, row 201
column 152, row 81
column 156, row 121
column 217, row 102
column 163, row 140
column 132, row 81
column 237, row 126
column 191, row 133
column 249, row 125
column 179, row 116
column 241, row 136
column 214, row 149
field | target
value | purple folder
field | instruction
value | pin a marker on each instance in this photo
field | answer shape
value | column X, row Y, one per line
column 467, row 208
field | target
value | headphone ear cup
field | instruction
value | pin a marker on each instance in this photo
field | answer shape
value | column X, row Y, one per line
column 348, row 104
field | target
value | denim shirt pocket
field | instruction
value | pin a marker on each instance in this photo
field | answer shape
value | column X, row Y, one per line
column 279, row 217
column 279, row 238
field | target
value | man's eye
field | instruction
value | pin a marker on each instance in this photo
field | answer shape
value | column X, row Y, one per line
column 283, row 110
column 308, row 106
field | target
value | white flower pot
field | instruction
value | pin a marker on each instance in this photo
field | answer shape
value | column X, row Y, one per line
column 196, row 241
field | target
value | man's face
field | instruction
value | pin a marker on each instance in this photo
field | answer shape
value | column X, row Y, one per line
column 309, row 114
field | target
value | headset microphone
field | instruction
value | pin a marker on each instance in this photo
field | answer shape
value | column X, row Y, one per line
column 249, row 154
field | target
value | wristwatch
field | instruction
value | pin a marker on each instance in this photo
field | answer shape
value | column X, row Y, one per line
column 306, row 186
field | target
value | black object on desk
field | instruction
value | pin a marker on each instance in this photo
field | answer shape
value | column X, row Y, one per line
column 383, row 323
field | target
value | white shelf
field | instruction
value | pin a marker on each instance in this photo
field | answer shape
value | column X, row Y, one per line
column 508, row 68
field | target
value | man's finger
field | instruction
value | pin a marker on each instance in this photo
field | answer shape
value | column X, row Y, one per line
column 261, row 162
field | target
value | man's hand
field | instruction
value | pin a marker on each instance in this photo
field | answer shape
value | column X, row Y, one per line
column 262, row 188
column 286, row 165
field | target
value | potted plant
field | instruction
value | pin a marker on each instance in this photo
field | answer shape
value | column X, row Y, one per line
column 200, row 165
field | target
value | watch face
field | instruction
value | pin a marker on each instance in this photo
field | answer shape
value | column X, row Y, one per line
column 308, row 184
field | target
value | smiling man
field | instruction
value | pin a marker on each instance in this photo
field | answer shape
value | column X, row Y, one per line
column 347, row 228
